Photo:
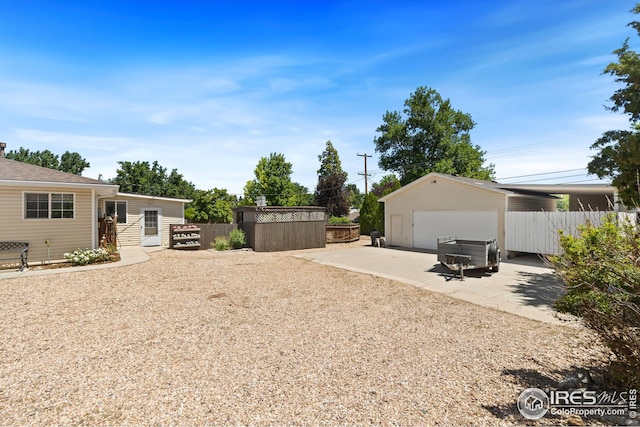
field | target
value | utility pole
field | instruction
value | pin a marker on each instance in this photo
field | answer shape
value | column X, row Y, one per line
column 366, row 189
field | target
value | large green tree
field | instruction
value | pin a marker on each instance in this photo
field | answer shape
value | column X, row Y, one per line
column 388, row 184
column 330, row 191
column 212, row 206
column 429, row 136
column 619, row 150
column 152, row 179
column 70, row 162
column 273, row 180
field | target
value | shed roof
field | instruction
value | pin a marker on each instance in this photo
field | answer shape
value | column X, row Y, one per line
column 147, row 197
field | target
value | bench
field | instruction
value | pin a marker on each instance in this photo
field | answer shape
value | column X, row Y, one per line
column 15, row 251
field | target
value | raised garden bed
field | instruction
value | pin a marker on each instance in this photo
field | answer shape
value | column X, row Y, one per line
column 343, row 233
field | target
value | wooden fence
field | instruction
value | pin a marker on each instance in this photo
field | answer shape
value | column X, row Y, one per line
column 285, row 236
column 538, row 232
column 209, row 232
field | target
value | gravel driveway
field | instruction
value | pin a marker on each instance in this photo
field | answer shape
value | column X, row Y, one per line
column 265, row 338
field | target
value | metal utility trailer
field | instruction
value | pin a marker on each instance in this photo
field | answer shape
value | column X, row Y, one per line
column 459, row 255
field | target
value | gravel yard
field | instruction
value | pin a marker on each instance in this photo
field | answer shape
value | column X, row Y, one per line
column 265, row 338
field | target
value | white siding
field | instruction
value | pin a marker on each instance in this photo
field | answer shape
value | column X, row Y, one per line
column 469, row 225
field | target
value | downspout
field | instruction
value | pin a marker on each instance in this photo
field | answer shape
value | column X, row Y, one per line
column 94, row 223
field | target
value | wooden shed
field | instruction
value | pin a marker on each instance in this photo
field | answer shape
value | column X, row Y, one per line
column 282, row 228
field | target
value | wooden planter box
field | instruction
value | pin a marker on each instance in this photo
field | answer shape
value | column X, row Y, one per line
column 343, row 233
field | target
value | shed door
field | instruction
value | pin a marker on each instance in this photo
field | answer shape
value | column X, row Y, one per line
column 429, row 225
column 151, row 225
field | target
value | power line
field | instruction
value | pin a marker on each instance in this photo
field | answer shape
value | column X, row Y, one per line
column 541, row 173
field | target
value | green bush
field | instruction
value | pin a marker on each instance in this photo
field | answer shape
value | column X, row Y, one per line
column 601, row 270
column 237, row 239
column 371, row 215
column 339, row 220
column 221, row 244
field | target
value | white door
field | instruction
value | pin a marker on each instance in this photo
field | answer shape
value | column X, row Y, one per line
column 151, row 226
column 473, row 225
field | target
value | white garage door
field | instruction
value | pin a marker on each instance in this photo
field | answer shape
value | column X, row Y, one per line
column 474, row 225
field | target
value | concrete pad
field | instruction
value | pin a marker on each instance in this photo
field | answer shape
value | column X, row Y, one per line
column 523, row 286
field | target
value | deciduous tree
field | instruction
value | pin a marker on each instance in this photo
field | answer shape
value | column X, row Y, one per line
column 143, row 178
column 272, row 180
column 69, row 162
column 212, row 206
column 429, row 136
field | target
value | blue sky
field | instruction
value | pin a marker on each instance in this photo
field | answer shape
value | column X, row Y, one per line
column 210, row 87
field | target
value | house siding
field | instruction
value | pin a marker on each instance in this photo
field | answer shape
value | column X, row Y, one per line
column 64, row 235
column 439, row 194
column 531, row 204
column 129, row 232
column 590, row 202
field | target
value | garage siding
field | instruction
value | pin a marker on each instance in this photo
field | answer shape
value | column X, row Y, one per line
column 440, row 194
column 472, row 225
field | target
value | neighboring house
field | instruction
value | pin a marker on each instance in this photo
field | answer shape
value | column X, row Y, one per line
column 142, row 220
column 439, row 205
column 39, row 204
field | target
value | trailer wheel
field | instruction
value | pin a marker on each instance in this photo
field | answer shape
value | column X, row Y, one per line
column 493, row 254
column 496, row 266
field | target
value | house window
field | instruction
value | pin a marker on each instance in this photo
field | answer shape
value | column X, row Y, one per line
column 49, row 205
column 62, row 206
column 116, row 207
column 36, row 205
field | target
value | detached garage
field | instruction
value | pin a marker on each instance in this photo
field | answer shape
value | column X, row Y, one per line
column 439, row 205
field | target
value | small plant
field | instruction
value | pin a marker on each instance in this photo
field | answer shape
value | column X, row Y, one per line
column 89, row 256
column 339, row 220
column 221, row 244
column 237, row 239
column 48, row 243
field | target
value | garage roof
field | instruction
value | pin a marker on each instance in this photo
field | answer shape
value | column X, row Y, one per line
column 540, row 190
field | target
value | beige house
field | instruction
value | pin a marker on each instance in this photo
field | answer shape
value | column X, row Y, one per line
column 40, row 205
column 439, row 205
column 142, row 220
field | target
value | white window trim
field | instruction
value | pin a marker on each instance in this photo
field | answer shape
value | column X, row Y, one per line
column 49, row 193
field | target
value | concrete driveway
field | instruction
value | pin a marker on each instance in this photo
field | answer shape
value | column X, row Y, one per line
column 523, row 286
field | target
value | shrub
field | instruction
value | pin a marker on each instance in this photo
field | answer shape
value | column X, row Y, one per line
column 601, row 269
column 89, row 256
column 237, row 239
column 338, row 220
column 221, row 244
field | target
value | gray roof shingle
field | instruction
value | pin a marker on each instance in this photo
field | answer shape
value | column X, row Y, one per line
column 12, row 170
